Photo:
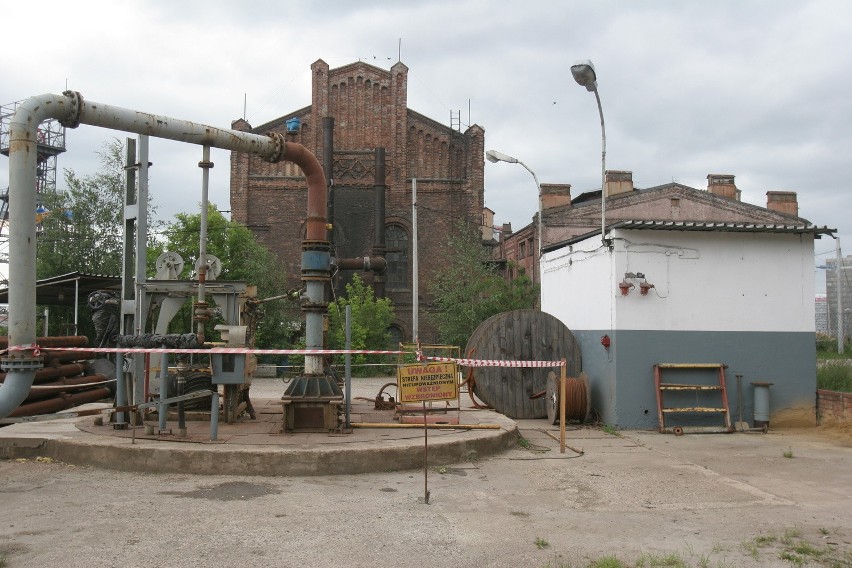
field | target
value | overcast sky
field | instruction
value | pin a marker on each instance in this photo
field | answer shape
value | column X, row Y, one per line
column 758, row 89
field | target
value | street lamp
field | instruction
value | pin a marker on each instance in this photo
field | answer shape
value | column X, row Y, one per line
column 494, row 157
column 584, row 73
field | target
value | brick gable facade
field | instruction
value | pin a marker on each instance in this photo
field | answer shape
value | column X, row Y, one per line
column 369, row 108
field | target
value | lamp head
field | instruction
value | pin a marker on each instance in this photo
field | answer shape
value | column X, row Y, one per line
column 494, row 156
column 584, row 73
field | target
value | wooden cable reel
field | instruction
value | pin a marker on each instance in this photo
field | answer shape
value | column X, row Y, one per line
column 520, row 335
column 578, row 402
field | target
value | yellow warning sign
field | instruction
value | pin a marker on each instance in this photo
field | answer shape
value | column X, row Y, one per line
column 433, row 381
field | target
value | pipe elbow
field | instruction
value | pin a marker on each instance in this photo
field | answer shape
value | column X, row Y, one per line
column 14, row 390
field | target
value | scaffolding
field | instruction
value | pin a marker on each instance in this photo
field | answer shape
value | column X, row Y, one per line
column 50, row 143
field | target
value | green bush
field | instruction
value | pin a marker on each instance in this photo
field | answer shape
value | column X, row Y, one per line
column 835, row 376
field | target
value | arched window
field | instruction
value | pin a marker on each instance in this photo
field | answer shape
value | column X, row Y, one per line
column 396, row 241
column 396, row 337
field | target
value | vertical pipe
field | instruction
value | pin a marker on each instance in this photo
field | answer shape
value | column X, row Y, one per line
column 163, row 409
column 205, row 164
column 348, row 370
column 328, row 166
column 131, row 214
column 76, row 305
column 841, row 339
column 415, row 279
column 140, row 367
column 214, row 414
column 379, row 248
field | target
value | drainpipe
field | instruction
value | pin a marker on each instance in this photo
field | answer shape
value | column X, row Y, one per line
column 379, row 248
column 21, row 362
column 328, row 167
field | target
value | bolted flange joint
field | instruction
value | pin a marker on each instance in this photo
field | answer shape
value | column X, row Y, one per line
column 76, row 104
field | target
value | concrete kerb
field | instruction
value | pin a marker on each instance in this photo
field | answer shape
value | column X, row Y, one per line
column 73, row 446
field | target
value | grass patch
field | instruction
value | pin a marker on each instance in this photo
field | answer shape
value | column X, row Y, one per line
column 835, row 376
column 541, row 543
column 607, row 562
column 610, row 429
column 671, row 560
column 788, row 453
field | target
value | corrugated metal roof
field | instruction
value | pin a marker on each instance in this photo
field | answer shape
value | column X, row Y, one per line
column 704, row 226
column 724, row 227
column 61, row 290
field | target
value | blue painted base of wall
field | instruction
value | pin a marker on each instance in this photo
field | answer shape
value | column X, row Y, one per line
column 622, row 377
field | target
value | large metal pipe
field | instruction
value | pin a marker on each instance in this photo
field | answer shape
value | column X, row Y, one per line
column 58, row 404
column 379, row 248
column 328, row 166
column 71, row 110
column 53, row 373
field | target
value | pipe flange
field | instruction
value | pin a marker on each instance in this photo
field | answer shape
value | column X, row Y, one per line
column 76, row 104
column 278, row 143
column 31, row 364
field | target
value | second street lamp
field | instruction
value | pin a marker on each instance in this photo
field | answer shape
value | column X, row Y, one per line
column 584, row 73
column 494, row 157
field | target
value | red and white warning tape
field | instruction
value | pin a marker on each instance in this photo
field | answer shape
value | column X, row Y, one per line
column 496, row 362
column 243, row 351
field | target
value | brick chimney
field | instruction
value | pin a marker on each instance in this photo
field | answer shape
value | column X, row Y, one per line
column 487, row 224
column 555, row 195
column 618, row 182
column 505, row 231
column 723, row 186
column 783, row 202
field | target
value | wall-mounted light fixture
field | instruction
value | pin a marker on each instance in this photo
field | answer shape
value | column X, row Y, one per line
column 625, row 285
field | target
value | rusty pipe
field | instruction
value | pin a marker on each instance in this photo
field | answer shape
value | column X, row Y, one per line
column 52, row 373
column 65, row 385
column 366, row 263
column 60, row 403
column 317, row 202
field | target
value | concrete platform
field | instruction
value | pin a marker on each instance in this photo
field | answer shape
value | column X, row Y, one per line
column 258, row 447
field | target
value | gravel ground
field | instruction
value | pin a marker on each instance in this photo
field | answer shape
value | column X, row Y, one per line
column 703, row 500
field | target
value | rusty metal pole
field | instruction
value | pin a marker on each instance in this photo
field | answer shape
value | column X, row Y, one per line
column 563, row 394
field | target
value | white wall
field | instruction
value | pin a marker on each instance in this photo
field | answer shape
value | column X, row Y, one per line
column 577, row 284
column 704, row 281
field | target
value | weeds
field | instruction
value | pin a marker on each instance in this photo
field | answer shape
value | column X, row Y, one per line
column 671, row 560
column 788, row 453
column 541, row 543
column 834, row 376
column 607, row 562
column 610, row 429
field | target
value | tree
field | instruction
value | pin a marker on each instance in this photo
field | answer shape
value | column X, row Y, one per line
column 371, row 318
column 243, row 259
column 469, row 290
column 82, row 228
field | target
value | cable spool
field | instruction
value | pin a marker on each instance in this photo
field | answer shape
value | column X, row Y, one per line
column 577, row 401
column 529, row 335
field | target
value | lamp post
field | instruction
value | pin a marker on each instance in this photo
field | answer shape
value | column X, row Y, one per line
column 584, row 73
column 494, row 157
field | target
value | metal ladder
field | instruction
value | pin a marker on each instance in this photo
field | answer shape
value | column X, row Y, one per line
column 663, row 387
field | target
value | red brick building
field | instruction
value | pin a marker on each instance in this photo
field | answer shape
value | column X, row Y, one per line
column 369, row 109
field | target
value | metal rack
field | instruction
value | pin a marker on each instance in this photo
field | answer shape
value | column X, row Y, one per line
column 697, row 388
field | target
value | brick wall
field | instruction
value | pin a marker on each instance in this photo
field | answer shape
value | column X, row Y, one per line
column 369, row 106
column 833, row 406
